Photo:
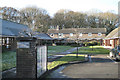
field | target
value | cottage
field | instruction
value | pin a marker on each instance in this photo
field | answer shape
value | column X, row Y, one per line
column 9, row 32
column 78, row 33
column 112, row 39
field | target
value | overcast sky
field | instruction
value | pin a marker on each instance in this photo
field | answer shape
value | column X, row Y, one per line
column 53, row 6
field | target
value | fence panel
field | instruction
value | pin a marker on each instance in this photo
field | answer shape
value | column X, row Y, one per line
column 41, row 60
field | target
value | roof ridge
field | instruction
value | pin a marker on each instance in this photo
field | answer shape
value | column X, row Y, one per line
column 14, row 22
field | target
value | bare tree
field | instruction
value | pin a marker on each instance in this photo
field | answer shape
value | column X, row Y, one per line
column 36, row 18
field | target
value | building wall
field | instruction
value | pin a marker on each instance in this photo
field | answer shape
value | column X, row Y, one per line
column 8, row 43
column 111, row 42
column 77, row 35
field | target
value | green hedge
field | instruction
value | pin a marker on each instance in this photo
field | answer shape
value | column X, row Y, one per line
column 91, row 43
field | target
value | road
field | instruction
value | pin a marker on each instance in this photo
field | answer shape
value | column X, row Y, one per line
column 101, row 66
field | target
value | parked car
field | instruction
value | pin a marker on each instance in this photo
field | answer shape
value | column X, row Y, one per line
column 115, row 53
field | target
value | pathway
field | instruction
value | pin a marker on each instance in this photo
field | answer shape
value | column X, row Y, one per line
column 61, row 54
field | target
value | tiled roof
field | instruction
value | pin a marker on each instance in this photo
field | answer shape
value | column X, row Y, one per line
column 12, row 29
column 91, row 30
column 43, row 36
column 80, row 30
column 72, row 30
column 114, row 34
column 9, row 28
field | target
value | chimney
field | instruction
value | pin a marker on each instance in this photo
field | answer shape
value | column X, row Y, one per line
column 57, row 27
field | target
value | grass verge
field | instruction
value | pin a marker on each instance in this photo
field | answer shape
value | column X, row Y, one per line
column 66, row 59
column 53, row 50
column 92, row 50
column 8, row 60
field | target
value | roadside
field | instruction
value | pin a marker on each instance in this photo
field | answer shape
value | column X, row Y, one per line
column 67, row 59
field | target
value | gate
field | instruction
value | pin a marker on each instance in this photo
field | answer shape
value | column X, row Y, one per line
column 41, row 60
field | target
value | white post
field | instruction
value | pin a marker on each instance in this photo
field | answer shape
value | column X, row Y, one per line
column 86, row 57
column 89, row 57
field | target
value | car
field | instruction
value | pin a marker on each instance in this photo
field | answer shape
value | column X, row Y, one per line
column 115, row 53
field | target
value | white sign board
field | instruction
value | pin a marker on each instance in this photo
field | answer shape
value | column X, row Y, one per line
column 23, row 45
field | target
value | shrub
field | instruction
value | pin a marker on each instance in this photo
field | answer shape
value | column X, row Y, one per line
column 91, row 43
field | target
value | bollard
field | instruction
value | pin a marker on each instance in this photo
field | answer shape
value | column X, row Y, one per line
column 89, row 57
column 86, row 57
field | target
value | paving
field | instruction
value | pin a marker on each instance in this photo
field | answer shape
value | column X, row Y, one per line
column 11, row 73
column 99, row 67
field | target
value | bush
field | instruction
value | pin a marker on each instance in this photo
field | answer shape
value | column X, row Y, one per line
column 91, row 43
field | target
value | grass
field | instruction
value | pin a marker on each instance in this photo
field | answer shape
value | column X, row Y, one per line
column 96, row 50
column 53, row 50
column 66, row 59
column 8, row 60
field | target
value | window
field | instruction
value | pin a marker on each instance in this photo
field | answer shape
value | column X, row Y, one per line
column 80, row 34
column 3, row 41
column 7, row 40
column 111, row 42
column 60, row 34
column 99, row 34
column 52, row 34
column 71, row 34
column 1, row 11
column 89, row 34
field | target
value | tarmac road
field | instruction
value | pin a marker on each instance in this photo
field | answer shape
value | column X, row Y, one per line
column 100, row 67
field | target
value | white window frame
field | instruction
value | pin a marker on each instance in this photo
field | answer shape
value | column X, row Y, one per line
column 111, row 42
column 51, row 34
column 60, row 34
column 7, row 40
column 89, row 34
column 3, row 41
column 99, row 34
column 71, row 34
column 80, row 34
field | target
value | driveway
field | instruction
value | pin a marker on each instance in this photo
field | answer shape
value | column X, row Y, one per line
column 100, row 67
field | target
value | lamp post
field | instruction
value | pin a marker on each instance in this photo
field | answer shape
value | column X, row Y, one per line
column 77, row 41
column 77, row 48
